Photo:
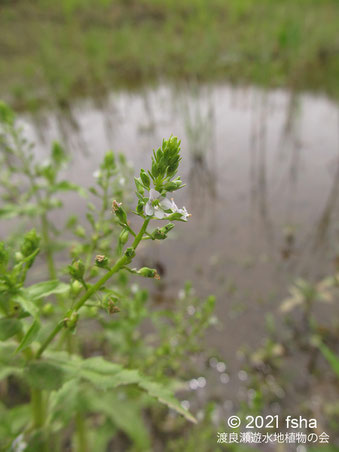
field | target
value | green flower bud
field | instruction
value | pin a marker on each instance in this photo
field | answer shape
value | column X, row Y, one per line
column 158, row 234
column 76, row 288
column 71, row 321
column 165, row 162
column 77, row 270
column 170, row 186
column 18, row 256
column 119, row 212
column 173, row 185
column 30, row 244
column 109, row 161
column 101, row 261
column 145, row 179
column 92, row 311
column 168, row 227
column 112, row 308
column 140, row 207
column 80, row 231
column 139, row 186
column 123, row 237
column 130, row 253
column 48, row 309
column 148, row 273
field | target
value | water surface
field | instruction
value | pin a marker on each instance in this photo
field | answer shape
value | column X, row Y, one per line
column 262, row 174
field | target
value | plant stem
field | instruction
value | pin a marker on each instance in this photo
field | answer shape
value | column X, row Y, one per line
column 82, row 445
column 37, row 408
column 47, row 243
column 121, row 262
column 39, row 416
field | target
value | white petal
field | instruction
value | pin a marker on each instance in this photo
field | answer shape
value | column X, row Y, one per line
column 184, row 213
column 153, row 194
column 166, row 204
column 159, row 213
column 149, row 211
column 174, row 207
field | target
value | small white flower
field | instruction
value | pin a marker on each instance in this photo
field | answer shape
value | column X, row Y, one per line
column 183, row 211
column 19, row 445
column 157, row 206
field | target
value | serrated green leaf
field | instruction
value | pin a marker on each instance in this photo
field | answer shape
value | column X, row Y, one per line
column 8, row 328
column 44, row 375
column 165, row 396
column 9, row 370
column 29, row 336
column 63, row 402
column 106, row 375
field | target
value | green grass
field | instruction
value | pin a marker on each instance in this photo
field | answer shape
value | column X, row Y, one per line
column 51, row 51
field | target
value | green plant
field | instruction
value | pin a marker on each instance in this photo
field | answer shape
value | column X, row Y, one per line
column 70, row 374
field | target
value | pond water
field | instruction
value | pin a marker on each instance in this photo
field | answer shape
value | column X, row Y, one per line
column 262, row 174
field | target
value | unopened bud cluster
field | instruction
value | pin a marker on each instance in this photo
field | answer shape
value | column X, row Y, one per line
column 148, row 272
column 101, row 261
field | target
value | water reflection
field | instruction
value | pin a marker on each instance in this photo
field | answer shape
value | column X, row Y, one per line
column 258, row 169
column 263, row 184
column 199, row 122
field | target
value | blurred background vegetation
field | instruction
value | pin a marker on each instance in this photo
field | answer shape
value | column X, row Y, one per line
column 76, row 47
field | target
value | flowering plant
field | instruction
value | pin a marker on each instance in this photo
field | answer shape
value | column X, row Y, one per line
column 64, row 363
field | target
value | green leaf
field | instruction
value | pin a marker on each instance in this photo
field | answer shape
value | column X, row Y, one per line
column 27, row 304
column 8, row 328
column 46, row 288
column 13, row 421
column 29, row 336
column 12, row 210
column 9, row 370
column 10, row 364
column 165, row 396
column 63, row 402
column 106, row 375
column 331, row 357
column 68, row 186
column 44, row 375
column 125, row 414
